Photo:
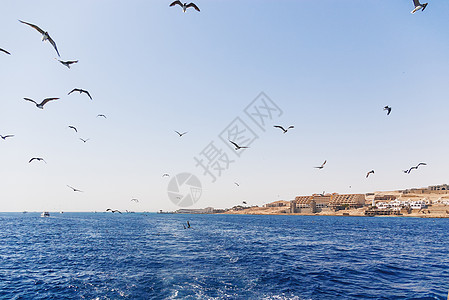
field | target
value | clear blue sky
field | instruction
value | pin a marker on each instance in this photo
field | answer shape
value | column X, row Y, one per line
column 331, row 66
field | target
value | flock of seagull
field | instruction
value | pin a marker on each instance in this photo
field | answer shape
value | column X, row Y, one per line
column 46, row 37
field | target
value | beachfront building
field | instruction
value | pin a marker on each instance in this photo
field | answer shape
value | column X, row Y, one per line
column 280, row 203
column 433, row 189
column 345, row 201
column 320, row 202
column 398, row 205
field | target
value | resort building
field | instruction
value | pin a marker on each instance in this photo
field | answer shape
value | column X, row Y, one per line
column 320, row 202
column 433, row 189
column 280, row 203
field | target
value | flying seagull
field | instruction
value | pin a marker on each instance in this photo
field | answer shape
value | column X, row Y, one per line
column 388, row 109
column 165, row 174
column 135, row 200
column 41, row 105
column 38, row 159
column 45, row 35
column 370, row 172
column 80, row 91
column 415, row 167
column 113, row 210
column 418, row 6
column 237, row 147
column 185, row 5
column 68, row 62
column 322, row 165
column 180, row 134
column 74, row 128
column 236, row 183
column 84, row 140
column 244, row 202
column 75, row 190
column 4, row 137
column 3, row 50
column 101, row 116
column 283, row 129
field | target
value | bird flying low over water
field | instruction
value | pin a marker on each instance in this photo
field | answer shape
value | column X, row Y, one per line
column 41, row 105
column 4, row 137
column 415, row 167
column 74, row 189
column 185, row 5
column 101, row 116
column 73, row 127
column 322, row 165
column 388, row 109
column 283, row 129
column 38, row 159
column 80, row 91
column 180, row 134
column 45, row 35
column 370, row 172
column 113, row 210
column 68, row 62
column 418, row 6
column 3, row 50
column 237, row 147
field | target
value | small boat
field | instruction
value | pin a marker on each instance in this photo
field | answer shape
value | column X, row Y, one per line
column 45, row 214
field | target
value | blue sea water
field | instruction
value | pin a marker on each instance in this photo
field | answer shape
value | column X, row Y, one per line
column 151, row 256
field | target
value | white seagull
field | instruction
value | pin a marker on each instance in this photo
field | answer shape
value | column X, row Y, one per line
column 185, row 5
column 45, row 35
column 80, row 91
column 41, row 105
column 418, row 6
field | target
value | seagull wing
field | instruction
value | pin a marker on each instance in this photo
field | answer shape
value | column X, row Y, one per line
column 176, row 2
column 237, row 146
column 7, row 136
column 290, row 127
column 87, row 93
column 416, row 3
column 54, row 45
column 101, row 116
column 34, row 26
column 74, row 90
column 74, row 128
column 280, row 127
column 421, row 164
column 324, row 163
column 31, row 100
column 178, row 131
column 3, row 50
column 193, row 5
column 47, row 100
column 32, row 159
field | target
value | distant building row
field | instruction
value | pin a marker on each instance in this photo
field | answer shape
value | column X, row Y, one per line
column 319, row 202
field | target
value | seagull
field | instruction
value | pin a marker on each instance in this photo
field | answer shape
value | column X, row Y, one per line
column 3, row 50
column 81, row 91
column 74, row 128
column 113, row 210
column 75, row 190
column 418, row 6
column 244, row 202
column 236, row 184
column 135, row 200
column 185, row 5
column 322, row 165
column 165, row 175
column 41, row 105
column 84, row 140
column 370, row 172
column 237, row 147
column 180, row 134
column 45, row 35
column 388, row 109
column 68, row 62
column 188, row 224
column 415, row 167
column 4, row 137
column 283, row 129
column 102, row 116
column 38, row 159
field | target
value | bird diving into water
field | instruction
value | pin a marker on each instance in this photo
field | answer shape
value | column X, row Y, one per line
column 185, row 5
column 38, row 159
column 370, row 172
column 237, row 147
column 283, row 129
column 80, row 91
column 3, row 50
column 388, row 109
column 68, row 62
column 418, row 6
column 4, row 137
column 322, row 165
column 41, row 105
column 45, row 35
